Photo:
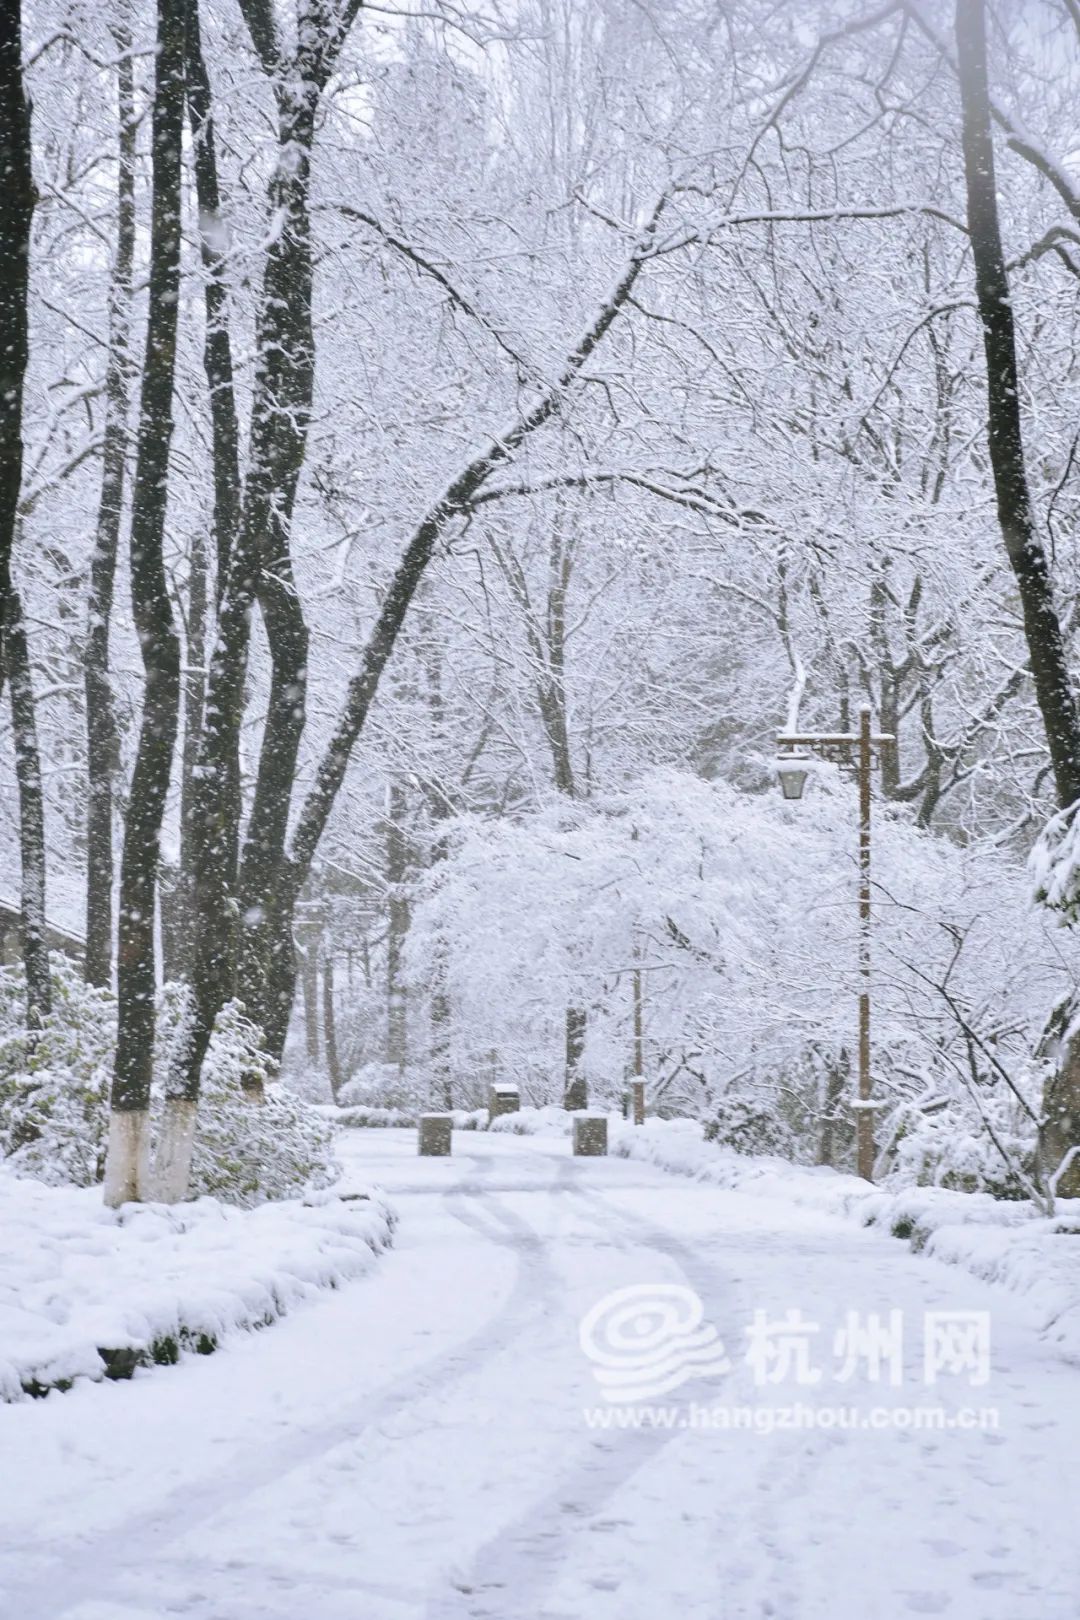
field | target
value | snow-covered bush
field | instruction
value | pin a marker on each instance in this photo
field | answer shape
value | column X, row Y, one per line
column 748, row 1127
column 550, row 1121
column 382, row 1085
column 54, row 1090
column 360, row 1118
column 54, row 1098
column 950, row 1148
column 245, row 1152
column 372, row 1082
column 1054, row 864
column 248, row 1153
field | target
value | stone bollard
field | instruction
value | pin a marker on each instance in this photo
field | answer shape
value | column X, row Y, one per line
column 590, row 1136
column 503, row 1098
column 435, row 1134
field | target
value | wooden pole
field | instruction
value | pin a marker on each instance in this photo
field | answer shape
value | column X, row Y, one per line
column 864, row 741
column 333, row 1065
column 638, row 1085
column 864, row 1113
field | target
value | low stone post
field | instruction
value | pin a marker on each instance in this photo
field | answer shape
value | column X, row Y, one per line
column 503, row 1098
column 590, row 1136
column 435, row 1134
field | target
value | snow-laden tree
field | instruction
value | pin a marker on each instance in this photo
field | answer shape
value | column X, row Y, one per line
column 738, row 911
column 555, row 387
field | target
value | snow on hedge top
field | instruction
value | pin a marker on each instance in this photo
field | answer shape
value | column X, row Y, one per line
column 78, row 1278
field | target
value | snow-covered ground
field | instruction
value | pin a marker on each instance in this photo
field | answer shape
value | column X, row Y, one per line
column 432, row 1443
column 1000, row 1241
column 146, row 1281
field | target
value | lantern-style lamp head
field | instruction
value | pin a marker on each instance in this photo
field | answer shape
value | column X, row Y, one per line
column 792, row 771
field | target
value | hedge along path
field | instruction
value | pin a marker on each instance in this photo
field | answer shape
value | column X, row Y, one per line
column 99, row 1294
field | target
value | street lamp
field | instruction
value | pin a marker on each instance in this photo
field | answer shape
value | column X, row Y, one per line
column 792, row 771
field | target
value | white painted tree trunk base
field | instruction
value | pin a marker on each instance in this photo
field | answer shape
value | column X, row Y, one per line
column 127, row 1158
column 172, row 1166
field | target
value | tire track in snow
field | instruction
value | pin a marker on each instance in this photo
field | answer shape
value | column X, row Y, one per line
column 792, row 1459
column 87, row 1570
column 510, row 1573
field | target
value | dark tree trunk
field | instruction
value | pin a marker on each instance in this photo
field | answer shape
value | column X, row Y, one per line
column 552, row 698
column 1042, row 627
column 279, row 982
column 440, row 1010
column 286, row 351
column 17, row 190
column 333, row 1062
column 259, row 566
column 440, row 807
column 310, row 979
column 397, row 872
column 35, row 947
column 152, row 612
column 552, row 692
column 172, row 923
column 225, row 438
column 180, row 959
column 211, row 815
column 576, row 1093
column 1059, row 1131
column 442, row 1068
column 260, row 965
column 102, row 738
column 217, row 346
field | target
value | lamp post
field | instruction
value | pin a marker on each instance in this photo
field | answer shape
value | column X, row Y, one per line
column 793, row 774
column 637, row 1085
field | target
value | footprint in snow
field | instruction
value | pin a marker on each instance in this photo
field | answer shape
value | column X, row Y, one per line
column 927, row 1602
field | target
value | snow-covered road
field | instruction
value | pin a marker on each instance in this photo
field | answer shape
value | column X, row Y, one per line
column 418, row 1446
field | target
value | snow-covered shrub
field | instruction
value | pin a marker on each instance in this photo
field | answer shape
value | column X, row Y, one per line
column 245, row 1152
column 54, row 1091
column 382, row 1085
column 54, row 1098
column 368, row 1119
column 1054, row 864
column 307, row 1081
column 358, row 1117
column 549, row 1121
column 950, row 1149
column 748, row 1127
